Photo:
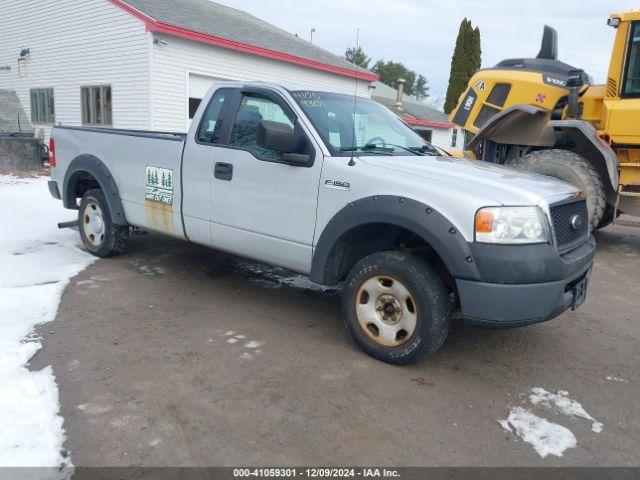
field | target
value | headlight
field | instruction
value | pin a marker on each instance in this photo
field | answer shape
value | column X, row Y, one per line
column 511, row 225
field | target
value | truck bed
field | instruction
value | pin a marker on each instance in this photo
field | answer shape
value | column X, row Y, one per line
column 146, row 164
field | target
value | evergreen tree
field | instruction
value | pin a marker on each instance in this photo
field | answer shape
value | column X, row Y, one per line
column 163, row 180
column 389, row 73
column 420, row 89
column 465, row 61
column 357, row 56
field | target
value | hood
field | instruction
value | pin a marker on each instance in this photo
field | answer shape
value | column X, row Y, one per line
column 507, row 185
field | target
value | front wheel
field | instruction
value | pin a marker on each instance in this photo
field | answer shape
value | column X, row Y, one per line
column 396, row 307
column 100, row 236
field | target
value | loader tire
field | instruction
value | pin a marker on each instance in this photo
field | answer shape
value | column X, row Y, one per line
column 571, row 168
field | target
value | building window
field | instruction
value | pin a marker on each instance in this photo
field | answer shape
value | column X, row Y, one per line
column 426, row 134
column 42, row 106
column 96, row 105
column 194, row 103
column 454, row 137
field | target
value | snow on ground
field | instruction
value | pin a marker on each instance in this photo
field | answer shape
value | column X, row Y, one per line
column 36, row 262
column 559, row 402
column 617, row 379
column 546, row 437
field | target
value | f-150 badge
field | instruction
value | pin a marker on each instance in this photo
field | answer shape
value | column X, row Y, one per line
column 159, row 185
column 340, row 185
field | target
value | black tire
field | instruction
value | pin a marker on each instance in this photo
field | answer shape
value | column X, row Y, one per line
column 571, row 168
column 107, row 240
column 607, row 218
column 427, row 295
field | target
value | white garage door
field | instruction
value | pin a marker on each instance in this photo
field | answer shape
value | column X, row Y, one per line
column 198, row 87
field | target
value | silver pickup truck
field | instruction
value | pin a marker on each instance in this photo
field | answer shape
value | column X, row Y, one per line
column 338, row 188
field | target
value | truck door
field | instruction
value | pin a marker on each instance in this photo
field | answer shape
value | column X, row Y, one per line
column 262, row 207
column 197, row 166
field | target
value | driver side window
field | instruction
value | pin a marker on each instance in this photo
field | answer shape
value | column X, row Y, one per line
column 253, row 109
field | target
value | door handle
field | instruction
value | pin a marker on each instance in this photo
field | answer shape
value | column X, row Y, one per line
column 223, row 171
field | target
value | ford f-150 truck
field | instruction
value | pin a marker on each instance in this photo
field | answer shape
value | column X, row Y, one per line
column 338, row 188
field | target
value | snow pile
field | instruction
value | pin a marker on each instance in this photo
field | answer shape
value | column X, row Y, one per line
column 547, row 438
column 37, row 260
column 559, row 402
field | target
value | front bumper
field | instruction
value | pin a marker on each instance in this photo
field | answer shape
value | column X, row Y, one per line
column 495, row 303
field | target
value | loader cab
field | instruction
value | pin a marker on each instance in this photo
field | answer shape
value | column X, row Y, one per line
column 621, row 109
column 631, row 80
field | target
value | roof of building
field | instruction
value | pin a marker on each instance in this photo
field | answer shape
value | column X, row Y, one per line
column 13, row 119
column 212, row 23
column 413, row 112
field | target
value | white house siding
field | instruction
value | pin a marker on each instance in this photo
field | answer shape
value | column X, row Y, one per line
column 174, row 62
column 441, row 137
column 76, row 43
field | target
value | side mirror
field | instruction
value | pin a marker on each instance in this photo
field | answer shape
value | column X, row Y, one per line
column 276, row 136
column 281, row 138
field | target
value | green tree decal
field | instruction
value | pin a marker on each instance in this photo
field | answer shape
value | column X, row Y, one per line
column 163, row 181
column 465, row 61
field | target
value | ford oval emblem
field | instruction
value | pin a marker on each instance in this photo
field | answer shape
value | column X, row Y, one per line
column 576, row 222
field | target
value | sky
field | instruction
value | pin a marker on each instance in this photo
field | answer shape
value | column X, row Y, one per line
column 422, row 33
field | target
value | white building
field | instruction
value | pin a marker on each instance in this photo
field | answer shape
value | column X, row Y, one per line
column 433, row 125
column 145, row 64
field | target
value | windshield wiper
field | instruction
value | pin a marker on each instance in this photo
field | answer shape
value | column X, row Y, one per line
column 369, row 147
column 373, row 148
column 424, row 150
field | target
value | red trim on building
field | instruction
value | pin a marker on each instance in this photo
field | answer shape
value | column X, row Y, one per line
column 426, row 123
column 155, row 26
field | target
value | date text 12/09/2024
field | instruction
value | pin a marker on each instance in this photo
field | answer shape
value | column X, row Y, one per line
column 315, row 473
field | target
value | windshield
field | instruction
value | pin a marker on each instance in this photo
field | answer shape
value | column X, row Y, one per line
column 351, row 124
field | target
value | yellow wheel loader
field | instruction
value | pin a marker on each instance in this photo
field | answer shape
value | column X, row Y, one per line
column 542, row 115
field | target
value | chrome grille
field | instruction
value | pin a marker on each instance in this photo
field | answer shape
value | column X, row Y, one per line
column 570, row 223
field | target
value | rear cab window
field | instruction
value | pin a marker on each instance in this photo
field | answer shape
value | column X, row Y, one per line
column 212, row 120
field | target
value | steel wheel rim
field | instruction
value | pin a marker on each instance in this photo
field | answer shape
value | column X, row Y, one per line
column 93, row 224
column 386, row 311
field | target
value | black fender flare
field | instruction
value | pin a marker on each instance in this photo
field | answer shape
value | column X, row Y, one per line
column 530, row 125
column 591, row 147
column 97, row 169
column 412, row 215
column 517, row 125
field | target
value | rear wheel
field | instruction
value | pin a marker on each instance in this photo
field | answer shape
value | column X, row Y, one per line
column 100, row 236
column 571, row 168
column 396, row 307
